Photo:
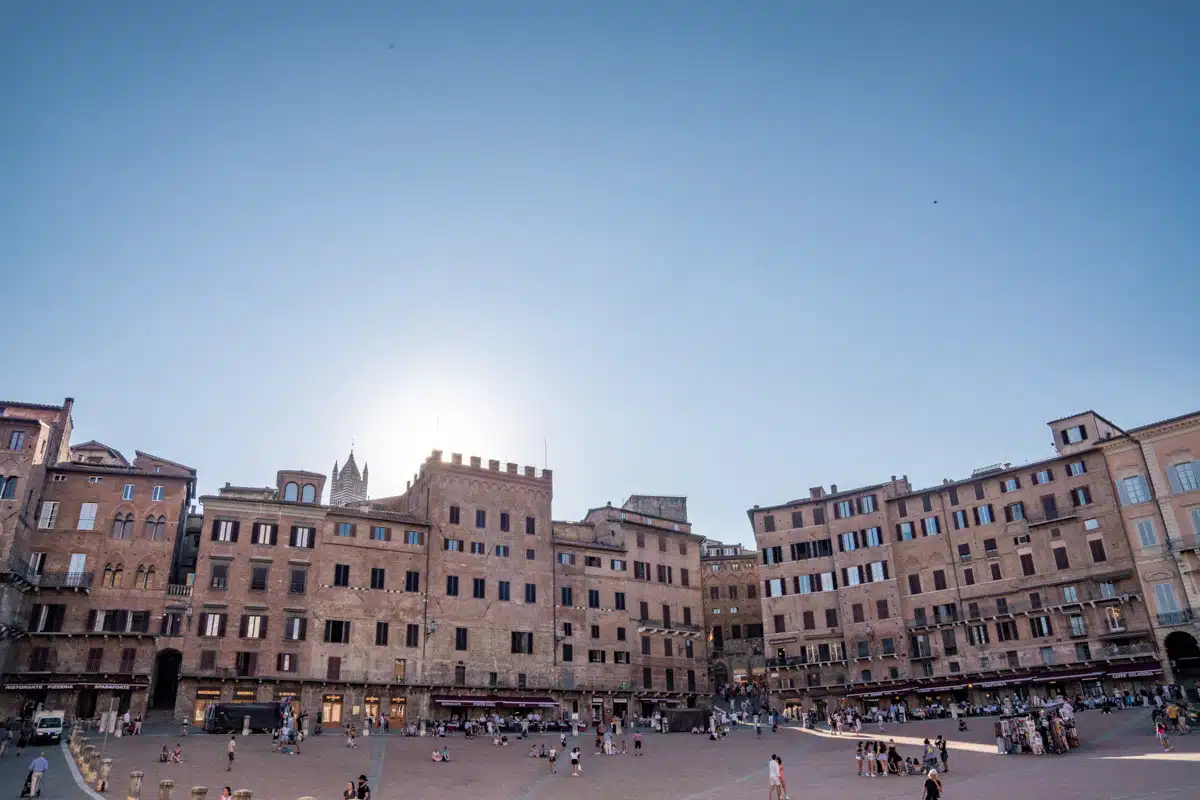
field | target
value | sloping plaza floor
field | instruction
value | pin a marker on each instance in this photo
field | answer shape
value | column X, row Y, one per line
column 1119, row 760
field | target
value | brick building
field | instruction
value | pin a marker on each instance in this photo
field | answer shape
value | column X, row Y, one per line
column 90, row 571
column 1016, row 580
column 732, row 612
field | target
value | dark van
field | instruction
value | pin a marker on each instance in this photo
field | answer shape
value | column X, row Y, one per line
column 228, row 717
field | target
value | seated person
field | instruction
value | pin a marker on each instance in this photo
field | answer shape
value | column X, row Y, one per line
column 445, row 754
column 177, row 756
column 437, row 755
column 504, row 740
column 163, row 757
column 533, row 751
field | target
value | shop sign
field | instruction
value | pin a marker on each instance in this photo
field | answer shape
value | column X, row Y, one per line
column 1140, row 673
column 24, row 687
column 245, row 693
column 116, row 687
column 398, row 700
column 333, row 698
column 208, row 693
column 284, row 695
column 371, row 699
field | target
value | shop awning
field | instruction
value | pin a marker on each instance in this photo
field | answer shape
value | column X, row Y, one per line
column 994, row 684
column 491, row 701
column 72, row 685
column 659, row 699
column 936, row 689
column 1067, row 676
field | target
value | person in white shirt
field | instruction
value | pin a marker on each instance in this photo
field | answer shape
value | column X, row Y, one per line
column 775, row 789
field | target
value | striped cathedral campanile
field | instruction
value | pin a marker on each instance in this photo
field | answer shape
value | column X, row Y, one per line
column 348, row 486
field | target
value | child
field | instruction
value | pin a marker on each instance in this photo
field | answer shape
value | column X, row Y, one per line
column 575, row 768
column 1160, row 730
column 624, row 746
column 553, row 757
column 637, row 743
column 881, row 759
column 858, row 756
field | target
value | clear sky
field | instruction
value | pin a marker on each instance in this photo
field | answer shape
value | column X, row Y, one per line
column 695, row 246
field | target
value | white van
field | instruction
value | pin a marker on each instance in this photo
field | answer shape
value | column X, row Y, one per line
column 48, row 725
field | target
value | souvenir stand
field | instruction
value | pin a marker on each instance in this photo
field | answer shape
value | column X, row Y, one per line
column 1046, row 729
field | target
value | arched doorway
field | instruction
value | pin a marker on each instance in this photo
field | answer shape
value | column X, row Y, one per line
column 1184, row 655
column 166, row 678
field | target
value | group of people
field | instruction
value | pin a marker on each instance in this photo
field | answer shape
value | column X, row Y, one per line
column 874, row 758
column 171, row 756
column 362, row 791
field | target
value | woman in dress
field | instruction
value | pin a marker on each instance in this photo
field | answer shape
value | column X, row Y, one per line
column 932, row 790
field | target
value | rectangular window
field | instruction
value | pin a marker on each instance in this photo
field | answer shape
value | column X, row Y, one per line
column 49, row 515
column 668, row 650
column 333, row 668
column 264, row 533
column 1006, row 631
column 1014, row 512
column 995, row 571
column 341, row 575
column 452, row 585
column 1027, row 564
column 16, row 440
column 530, row 526
column 478, row 549
column 818, row 515
column 593, row 598
column 455, row 515
column 926, row 503
column 530, row 554
column 478, row 588
column 866, row 505
column 522, row 643
column 989, row 548
column 127, row 492
column 960, row 519
column 904, row 531
column 298, row 580
column 381, row 634
column 303, row 536
column 1081, row 496
column 220, row 576
column 881, row 609
column 1145, row 529
column 503, row 591
column 566, row 596
column 460, row 638
column 414, row 537
column 454, row 545
column 797, row 519
column 831, row 618
column 381, row 533
column 480, row 518
column 1132, row 491
column 156, row 494
column 345, row 529
column 914, row 584
column 780, row 624
column 1060, row 558
column 1039, row 627
column 617, row 565
column 1097, row 548
column 295, row 629
column 1078, row 626
column 931, row 526
column 983, row 515
column 568, row 652
column 412, row 635
column 258, row 578
column 939, row 580
column 1074, row 434
column 531, row 593
column 87, row 517
column 843, row 509
column 1076, row 468
column 768, row 524
column 337, row 631
column 412, row 581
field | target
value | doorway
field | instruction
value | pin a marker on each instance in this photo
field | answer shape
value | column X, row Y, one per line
column 331, row 710
column 166, row 678
column 85, row 704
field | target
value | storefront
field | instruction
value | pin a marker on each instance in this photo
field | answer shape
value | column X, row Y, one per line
column 331, row 710
column 82, row 699
column 204, row 699
column 474, row 706
column 245, row 696
column 371, row 708
column 396, row 710
column 291, row 698
column 620, row 707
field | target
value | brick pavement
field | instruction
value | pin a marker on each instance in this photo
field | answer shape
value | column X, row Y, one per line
column 677, row 767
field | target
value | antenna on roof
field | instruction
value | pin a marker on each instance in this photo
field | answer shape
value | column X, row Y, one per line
column 545, row 452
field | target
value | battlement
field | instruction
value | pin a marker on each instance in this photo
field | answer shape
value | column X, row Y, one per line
column 493, row 465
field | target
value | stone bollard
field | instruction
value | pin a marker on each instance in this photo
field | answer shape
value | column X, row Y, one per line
column 94, row 764
column 246, row 725
column 199, row 792
column 135, row 785
column 105, row 770
column 164, row 789
column 85, row 763
column 243, row 794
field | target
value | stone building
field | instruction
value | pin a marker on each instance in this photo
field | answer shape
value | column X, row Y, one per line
column 91, row 572
column 347, row 486
column 732, row 612
column 1155, row 469
column 1018, row 579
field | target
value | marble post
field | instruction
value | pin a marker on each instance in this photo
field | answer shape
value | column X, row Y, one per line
column 135, row 785
column 164, row 789
column 85, row 764
column 199, row 792
column 246, row 725
column 105, row 771
column 243, row 794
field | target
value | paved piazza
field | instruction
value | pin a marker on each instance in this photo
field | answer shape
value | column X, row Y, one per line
column 1119, row 759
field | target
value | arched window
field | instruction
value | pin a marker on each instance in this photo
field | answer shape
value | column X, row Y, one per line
column 310, row 493
column 107, row 580
column 149, row 582
column 160, row 529
column 290, row 492
column 139, row 578
column 116, row 576
column 149, row 529
column 118, row 526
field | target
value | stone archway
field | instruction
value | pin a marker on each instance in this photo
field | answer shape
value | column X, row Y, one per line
column 720, row 674
column 1183, row 653
column 166, row 679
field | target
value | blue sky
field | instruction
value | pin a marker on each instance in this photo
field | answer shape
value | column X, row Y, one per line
column 692, row 245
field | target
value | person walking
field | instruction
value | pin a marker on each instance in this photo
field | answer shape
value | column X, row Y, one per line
column 576, row 769
column 932, row 790
column 783, row 792
column 1160, row 730
column 364, row 790
column 5, row 738
column 553, row 757
column 774, row 783
column 349, row 793
column 37, row 769
column 232, row 752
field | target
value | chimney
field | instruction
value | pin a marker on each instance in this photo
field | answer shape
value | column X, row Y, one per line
column 456, row 458
column 476, row 461
column 833, row 488
column 494, row 465
column 816, row 492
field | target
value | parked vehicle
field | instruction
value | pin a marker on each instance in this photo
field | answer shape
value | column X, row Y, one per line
column 48, row 726
column 229, row 717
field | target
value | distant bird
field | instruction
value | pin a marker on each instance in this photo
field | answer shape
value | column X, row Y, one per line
column 391, row 47
column 935, row 202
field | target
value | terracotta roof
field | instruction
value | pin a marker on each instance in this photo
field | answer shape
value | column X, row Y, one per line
column 19, row 404
column 164, row 460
